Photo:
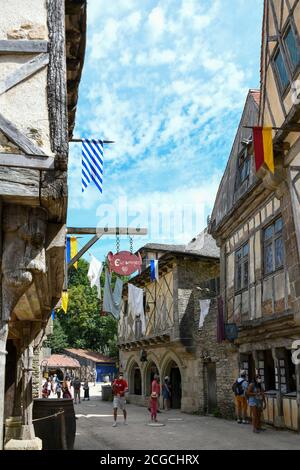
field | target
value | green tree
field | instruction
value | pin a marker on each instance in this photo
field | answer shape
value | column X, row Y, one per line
column 58, row 340
column 83, row 326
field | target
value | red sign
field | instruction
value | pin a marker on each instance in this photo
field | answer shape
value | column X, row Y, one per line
column 124, row 263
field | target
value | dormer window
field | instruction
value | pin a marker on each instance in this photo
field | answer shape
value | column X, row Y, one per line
column 244, row 162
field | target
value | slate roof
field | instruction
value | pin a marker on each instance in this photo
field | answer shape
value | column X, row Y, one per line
column 202, row 245
column 228, row 195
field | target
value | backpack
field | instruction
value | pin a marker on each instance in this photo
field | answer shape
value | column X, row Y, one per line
column 237, row 388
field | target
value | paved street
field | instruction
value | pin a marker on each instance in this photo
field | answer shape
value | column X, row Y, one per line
column 181, row 431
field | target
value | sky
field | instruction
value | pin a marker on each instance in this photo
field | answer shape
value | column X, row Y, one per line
column 167, row 81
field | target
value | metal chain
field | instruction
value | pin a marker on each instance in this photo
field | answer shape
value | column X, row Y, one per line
column 131, row 244
column 118, row 243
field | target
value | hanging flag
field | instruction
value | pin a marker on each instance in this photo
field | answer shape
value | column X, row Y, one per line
column 92, row 163
column 64, row 301
column 154, row 269
column 68, row 251
column 94, row 274
column 73, row 250
column 263, row 147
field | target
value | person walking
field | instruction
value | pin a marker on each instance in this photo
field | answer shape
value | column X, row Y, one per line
column 119, row 388
column 76, row 387
column 166, row 393
column 86, row 389
column 66, row 390
column 153, row 406
column 239, row 388
column 257, row 402
column 58, row 388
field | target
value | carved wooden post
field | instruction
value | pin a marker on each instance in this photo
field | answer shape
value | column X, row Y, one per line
column 3, row 339
column 27, row 357
column 278, row 421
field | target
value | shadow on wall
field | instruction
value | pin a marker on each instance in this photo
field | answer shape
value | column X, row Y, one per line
column 187, row 326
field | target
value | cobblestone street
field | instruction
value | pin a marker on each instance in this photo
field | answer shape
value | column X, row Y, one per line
column 181, row 431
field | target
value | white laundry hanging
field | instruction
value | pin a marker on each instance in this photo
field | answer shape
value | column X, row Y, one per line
column 136, row 302
column 94, row 274
column 204, row 309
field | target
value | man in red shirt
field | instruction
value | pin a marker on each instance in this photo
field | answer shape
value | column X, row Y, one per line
column 119, row 388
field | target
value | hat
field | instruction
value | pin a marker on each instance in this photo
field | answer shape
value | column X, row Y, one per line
column 153, row 395
column 243, row 372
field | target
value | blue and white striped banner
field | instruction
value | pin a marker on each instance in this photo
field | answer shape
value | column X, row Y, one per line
column 92, row 163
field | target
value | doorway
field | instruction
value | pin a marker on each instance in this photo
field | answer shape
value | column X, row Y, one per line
column 175, row 382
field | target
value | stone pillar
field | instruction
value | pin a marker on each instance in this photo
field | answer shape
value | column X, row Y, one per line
column 27, row 403
column 279, row 420
column 3, row 339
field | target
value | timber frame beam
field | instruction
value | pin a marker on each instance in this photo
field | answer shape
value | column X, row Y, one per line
column 98, row 232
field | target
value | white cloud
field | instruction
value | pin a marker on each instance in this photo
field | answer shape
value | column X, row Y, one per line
column 156, row 22
column 161, row 82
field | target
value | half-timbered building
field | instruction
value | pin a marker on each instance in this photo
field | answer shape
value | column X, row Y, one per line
column 41, row 53
column 255, row 221
column 168, row 345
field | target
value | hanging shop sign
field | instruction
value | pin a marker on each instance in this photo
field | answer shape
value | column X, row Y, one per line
column 124, row 263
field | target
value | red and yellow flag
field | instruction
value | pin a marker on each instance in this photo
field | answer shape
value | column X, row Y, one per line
column 263, row 147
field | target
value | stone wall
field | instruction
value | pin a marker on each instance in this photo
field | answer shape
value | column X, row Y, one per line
column 223, row 355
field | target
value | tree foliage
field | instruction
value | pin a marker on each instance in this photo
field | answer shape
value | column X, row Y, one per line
column 83, row 326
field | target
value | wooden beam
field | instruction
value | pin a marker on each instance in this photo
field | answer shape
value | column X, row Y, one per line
column 24, row 72
column 19, row 46
column 84, row 250
column 106, row 231
column 27, row 161
column 13, row 134
column 20, row 185
column 56, row 80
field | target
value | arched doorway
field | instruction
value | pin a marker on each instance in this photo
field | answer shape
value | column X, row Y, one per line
column 150, row 372
column 135, row 380
column 173, row 372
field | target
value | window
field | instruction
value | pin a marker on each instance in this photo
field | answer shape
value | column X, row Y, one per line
column 281, row 71
column 292, row 48
column 244, row 167
column 273, row 247
column 242, row 267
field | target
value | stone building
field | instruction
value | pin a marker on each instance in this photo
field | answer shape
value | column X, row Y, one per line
column 93, row 365
column 170, row 343
column 255, row 222
column 41, row 52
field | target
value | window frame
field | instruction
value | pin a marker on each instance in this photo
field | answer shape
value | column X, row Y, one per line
column 272, row 240
column 291, row 70
column 244, row 260
column 248, row 158
column 290, row 27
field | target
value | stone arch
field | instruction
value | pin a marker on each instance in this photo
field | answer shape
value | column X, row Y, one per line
column 172, row 366
column 149, row 371
column 134, row 375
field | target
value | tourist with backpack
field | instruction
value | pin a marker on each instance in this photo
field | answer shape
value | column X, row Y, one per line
column 239, row 389
column 257, row 402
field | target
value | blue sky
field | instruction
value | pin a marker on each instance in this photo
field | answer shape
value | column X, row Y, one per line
column 167, row 81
